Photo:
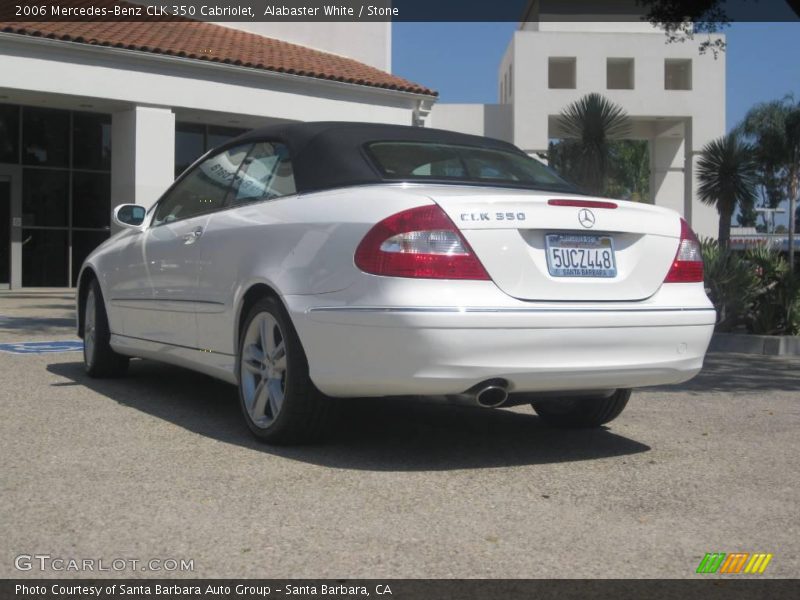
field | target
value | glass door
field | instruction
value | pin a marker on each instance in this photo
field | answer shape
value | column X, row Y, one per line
column 5, row 232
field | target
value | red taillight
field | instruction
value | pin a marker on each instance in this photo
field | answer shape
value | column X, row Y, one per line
column 583, row 203
column 687, row 267
column 419, row 242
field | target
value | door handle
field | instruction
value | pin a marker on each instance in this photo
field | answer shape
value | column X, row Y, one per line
column 193, row 236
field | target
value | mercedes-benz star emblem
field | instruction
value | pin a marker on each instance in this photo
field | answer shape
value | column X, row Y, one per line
column 586, row 218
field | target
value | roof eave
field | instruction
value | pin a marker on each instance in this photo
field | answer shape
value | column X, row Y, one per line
column 194, row 62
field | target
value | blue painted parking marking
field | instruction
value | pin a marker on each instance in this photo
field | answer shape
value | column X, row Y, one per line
column 42, row 347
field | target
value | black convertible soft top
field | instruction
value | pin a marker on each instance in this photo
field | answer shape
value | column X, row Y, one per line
column 332, row 154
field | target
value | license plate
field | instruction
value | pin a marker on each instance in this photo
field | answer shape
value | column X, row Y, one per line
column 578, row 255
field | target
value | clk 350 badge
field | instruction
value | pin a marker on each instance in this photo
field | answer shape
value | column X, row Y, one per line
column 498, row 216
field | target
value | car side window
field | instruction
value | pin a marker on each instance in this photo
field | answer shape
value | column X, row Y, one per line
column 204, row 189
column 266, row 173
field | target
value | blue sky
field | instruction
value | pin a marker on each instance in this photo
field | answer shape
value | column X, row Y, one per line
column 460, row 60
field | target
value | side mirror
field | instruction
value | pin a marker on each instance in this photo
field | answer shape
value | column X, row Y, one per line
column 130, row 216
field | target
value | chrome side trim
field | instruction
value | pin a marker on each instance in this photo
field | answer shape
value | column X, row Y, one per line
column 488, row 309
column 165, row 344
column 182, row 300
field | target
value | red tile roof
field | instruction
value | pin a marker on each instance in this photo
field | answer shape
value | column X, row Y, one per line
column 208, row 42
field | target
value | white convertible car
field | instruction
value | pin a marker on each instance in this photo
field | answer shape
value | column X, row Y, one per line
column 307, row 261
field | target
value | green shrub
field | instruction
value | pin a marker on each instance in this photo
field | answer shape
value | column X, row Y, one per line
column 776, row 306
column 731, row 284
column 755, row 290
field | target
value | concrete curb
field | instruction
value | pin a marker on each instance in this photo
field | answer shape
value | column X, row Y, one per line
column 772, row 345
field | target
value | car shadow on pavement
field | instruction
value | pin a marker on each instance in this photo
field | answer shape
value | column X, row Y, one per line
column 723, row 372
column 380, row 434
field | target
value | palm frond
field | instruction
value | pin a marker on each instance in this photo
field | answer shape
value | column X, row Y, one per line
column 591, row 122
column 726, row 173
column 594, row 119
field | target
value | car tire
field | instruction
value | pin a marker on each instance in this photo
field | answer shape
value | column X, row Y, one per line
column 279, row 402
column 584, row 412
column 99, row 359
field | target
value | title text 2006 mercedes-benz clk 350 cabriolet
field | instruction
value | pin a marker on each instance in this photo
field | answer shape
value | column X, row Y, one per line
column 307, row 261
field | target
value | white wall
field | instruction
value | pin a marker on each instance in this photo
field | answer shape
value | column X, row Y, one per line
column 589, row 26
column 678, row 123
column 534, row 102
column 142, row 154
column 585, row 15
column 492, row 120
column 667, row 157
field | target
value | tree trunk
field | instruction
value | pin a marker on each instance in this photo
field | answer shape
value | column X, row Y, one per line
column 725, row 216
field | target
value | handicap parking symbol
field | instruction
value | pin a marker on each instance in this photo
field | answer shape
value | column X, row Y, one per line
column 42, row 347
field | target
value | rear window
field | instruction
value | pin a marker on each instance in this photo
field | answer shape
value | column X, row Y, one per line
column 428, row 161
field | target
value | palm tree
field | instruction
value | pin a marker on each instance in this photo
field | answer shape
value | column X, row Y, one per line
column 592, row 121
column 774, row 129
column 793, row 174
column 726, row 172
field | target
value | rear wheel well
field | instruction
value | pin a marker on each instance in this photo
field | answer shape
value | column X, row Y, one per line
column 251, row 296
column 87, row 277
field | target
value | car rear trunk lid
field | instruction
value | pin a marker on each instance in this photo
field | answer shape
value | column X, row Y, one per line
column 511, row 231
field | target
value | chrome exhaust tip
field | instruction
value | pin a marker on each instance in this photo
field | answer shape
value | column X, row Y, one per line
column 491, row 394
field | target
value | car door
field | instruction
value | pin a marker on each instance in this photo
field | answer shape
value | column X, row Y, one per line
column 247, row 232
column 172, row 247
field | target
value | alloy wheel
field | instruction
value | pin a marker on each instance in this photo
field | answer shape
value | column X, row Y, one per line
column 89, row 328
column 263, row 370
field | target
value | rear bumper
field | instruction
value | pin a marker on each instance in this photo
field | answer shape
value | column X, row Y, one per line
column 381, row 351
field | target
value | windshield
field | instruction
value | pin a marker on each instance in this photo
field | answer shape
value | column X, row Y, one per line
column 429, row 161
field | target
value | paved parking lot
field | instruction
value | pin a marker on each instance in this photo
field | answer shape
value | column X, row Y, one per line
column 160, row 465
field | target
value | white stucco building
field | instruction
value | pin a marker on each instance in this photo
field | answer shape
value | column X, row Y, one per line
column 674, row 95
column 97, row 114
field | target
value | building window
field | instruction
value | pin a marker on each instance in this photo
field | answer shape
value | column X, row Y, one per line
column 192, row 140
column 9, row 133
column 66, row 187
column 216, row 135
column 5, row 232
column 45, row 198
column 510, row 81
column 677, row 74
column 91, row 141
column 45, row 137
column 91, row 200
column 619, row 74
column 39, row 249
column 190, row 144
column 561, row 73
